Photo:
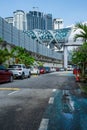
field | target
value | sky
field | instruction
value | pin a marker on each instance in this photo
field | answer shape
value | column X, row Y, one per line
column 71, row 11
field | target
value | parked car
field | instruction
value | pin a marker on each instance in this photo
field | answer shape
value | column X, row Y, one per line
column 57, row 69
column 42, row 70
column 52, row 69
column 76, row 70
column 5, row 75
column 47, row 69
column 34, row 70
column 61, row 69
column 20, row 71
column 69, row 68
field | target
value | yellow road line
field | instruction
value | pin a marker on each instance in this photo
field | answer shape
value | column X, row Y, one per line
column 9, row 89
column 35, row 75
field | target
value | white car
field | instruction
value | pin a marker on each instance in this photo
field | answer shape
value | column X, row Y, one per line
column 34, row 70
column 52, row 69
column 20, row 70
column 69, row 68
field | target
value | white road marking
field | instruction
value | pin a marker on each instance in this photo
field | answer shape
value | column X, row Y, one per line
column 54, row 90
column 13, row 92
column 44, row 124
column 51, row 100
column 79, row 84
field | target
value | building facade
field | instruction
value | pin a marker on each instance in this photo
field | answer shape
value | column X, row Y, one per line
column 35, row 20
column 19, row 19
column 58, row 23
column 48, row 21
column 9, row 20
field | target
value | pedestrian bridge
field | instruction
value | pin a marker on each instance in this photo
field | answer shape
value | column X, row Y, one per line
column 51, row 38
column 54, row 38
column 61, row 38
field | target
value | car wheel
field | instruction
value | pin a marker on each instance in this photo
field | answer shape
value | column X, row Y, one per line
column 11, row 78
column 29, row 75
column 22, row 76
column 38, row 73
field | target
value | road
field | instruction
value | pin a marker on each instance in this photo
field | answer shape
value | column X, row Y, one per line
column 25, row 104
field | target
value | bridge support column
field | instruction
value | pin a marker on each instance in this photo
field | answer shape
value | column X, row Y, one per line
column 65, row 57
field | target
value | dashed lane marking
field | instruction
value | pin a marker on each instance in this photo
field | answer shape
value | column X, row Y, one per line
column 51, row 100
column 14, row 89
column 13, row 92
column 54, row 90
column 45, row 121
column 44, row 124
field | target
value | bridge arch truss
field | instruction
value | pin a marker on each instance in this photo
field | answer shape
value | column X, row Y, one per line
column 51, row 38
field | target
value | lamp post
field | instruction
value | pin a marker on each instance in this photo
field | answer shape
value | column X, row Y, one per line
column 65, row 57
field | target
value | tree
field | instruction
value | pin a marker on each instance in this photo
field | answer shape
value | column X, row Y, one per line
column 3, row 51
column 22, row 56
column 3, row 55
column 79, row 57
column 18, row 53
column 1, row 40
column 83, row 31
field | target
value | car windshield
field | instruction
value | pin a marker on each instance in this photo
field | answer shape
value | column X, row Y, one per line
column 14, row 66
column 2, row 67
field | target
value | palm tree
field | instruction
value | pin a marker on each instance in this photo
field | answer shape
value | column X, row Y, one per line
column 83, row 31
column 81, row 54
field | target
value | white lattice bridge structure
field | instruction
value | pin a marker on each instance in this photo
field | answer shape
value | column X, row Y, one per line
column 61, row 38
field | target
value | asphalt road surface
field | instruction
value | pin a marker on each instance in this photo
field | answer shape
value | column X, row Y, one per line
column 24, row 104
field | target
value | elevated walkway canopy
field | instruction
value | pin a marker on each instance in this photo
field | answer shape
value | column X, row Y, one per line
column 50, row 37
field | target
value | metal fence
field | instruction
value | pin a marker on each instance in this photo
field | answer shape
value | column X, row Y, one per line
column 16, row 37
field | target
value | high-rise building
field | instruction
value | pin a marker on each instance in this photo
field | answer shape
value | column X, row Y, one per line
column 9, row 20
column 58, row 23
column 35, row 20
column 48, row 21
column 32, row 20
column 19, row 19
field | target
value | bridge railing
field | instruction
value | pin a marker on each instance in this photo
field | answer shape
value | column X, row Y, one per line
column 74, row 43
